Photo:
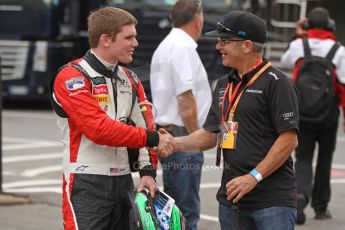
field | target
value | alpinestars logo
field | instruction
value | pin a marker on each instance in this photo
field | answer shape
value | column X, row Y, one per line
column 81, row 168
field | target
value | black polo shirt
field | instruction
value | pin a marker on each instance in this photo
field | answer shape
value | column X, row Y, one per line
column 267, row 108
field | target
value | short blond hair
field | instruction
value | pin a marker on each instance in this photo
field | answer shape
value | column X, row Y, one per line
column 107, row 20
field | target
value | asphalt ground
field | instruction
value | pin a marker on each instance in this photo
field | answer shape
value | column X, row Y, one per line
column 32, row 170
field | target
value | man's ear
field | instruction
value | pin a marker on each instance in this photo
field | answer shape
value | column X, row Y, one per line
column 248, row 46
column 105, row 40
column 198, row 22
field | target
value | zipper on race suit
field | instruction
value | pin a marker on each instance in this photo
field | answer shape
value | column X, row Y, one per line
column 113, row 81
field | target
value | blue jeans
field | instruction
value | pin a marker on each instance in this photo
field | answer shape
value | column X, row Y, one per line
column 273, row 218
column 181, row 179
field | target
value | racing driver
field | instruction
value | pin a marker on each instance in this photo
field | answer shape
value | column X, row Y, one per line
column 93, row 99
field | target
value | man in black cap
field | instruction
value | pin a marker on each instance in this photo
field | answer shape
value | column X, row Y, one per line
column 254, row 119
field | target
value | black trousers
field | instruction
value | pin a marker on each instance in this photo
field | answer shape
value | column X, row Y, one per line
column 320, row 190
column 100, row 202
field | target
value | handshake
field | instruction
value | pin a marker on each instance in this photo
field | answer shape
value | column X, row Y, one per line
column 167, row 144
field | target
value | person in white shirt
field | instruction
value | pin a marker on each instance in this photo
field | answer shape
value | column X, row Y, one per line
column 317, row 30
column 182, row 97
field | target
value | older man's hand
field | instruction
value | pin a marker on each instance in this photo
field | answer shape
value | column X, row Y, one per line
column 166, row 146
column 240, row 186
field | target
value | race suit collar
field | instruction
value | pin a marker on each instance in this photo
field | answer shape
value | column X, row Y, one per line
column 320, row 34
column 92, row 60
column 105, row 63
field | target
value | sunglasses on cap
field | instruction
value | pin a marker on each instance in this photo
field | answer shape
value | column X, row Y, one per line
column 221, row 28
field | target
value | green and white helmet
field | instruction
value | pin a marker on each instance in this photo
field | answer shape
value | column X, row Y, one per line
column 159, row 213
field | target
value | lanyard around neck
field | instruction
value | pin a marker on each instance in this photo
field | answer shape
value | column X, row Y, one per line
column 232, row 107
column 231, row 95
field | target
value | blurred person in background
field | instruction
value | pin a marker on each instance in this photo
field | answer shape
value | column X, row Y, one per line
column 182, row 97
column 317, row 32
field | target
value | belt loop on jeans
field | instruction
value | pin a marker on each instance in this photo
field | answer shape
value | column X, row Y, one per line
column 166, row 127
column 170, row 128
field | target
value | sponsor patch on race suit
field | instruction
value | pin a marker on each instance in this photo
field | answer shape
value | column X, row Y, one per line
column 75, row 83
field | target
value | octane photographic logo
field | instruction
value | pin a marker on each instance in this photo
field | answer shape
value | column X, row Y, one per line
column 75, row 83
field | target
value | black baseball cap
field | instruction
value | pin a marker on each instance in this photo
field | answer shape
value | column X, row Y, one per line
column 242, row 24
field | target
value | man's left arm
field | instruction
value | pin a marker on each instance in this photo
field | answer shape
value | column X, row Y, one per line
column 283, row 107
column 148, row 182
column 277, row 155
column 147, row 171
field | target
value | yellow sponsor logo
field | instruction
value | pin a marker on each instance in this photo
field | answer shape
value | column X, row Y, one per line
column 102, row 99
